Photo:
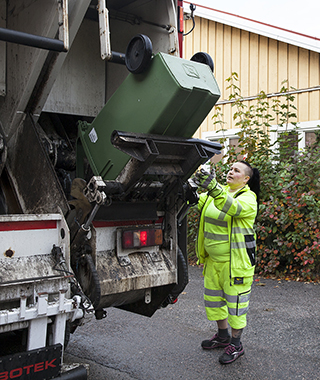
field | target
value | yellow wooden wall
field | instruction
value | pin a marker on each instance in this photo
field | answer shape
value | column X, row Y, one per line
column 262, row 64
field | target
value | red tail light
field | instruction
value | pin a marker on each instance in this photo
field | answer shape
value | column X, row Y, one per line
column 180, row 19
column 141, row 238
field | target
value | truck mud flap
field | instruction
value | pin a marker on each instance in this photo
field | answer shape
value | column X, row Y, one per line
column 39, row 364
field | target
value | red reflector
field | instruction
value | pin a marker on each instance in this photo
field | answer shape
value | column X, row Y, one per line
column 127, row 239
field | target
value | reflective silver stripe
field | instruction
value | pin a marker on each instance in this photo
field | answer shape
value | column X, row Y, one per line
column 227, row 205
column 214, row 305
column 243, row 231
column 221, row 215
column 218, row 237
column 213, row 293
column 239, row 209
column 230, row 299
column 215, row 222
column 233, row 311
column 251, row 244
column 238, row 244
column 244, row 298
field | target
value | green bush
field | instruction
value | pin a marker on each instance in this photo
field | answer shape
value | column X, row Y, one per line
column 288, row 225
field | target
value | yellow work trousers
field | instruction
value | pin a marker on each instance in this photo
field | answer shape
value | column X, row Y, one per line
column 225, row 297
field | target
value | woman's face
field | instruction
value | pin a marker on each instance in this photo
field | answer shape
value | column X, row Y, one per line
column 237, row 176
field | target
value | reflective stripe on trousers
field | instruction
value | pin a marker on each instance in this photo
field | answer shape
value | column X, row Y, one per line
column 238, row 309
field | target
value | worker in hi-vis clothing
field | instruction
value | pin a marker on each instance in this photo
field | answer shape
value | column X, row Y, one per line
column 226, row 247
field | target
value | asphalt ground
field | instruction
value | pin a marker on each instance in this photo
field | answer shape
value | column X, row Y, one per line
column 281, row 340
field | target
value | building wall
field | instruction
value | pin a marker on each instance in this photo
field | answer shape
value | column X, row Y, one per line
column 262, row 64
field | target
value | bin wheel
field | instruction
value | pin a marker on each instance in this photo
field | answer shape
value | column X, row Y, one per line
column 138, row 54
column 203, row 58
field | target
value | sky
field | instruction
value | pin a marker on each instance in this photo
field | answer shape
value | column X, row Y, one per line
column 298, row 16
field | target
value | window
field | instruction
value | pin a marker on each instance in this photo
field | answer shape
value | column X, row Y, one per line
column 231, row 140
column 310, row 138
column 289, row 144
column 306, row 133
column 305, row 136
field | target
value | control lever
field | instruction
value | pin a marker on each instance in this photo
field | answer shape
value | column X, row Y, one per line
column 94, row 192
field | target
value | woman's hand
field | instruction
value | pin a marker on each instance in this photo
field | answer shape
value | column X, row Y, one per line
column 205, row 179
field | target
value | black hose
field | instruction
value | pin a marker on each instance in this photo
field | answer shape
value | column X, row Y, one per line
column 78, row 373
column 192, row 8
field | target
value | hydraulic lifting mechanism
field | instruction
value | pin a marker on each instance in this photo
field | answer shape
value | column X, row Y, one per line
column 140, row 178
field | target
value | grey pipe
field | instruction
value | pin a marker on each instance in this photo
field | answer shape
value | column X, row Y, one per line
column 27, row 39
column 272, row 95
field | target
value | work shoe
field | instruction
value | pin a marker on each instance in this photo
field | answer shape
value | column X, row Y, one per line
column 231, row 353
column 215, row 342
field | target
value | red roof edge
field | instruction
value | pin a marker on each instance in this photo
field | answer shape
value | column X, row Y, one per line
column 257, row 22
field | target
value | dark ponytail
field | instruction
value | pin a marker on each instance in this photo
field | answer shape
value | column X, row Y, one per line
column 254, row 181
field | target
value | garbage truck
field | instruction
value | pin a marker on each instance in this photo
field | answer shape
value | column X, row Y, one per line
column 97, row 113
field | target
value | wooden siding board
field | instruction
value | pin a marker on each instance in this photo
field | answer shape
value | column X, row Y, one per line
column 219, row 46
column 212, row 43
column 261, row 63
column 254, row 63
column 303, row 82
column 197, row 36
column 244, row 62
column 314, row 72
column 282, row 64
column 236, row 52
column 293, row 66
column 314, row 105
column 188, row 41
column 273, row 66
column 314, row 80
column 204, row 35
column 225, row 69
column 204, row 29
column 227, row 65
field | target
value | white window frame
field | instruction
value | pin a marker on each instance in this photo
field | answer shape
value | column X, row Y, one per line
column 303, row 127
column 228, row 134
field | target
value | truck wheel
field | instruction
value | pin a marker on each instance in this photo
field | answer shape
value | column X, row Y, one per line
column 87, row 276
column 138, row 54
column 182, row 275
column 203, row 58
column 183, row 280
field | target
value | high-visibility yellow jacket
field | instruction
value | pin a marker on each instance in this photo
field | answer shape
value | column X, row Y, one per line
column 242, row 207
